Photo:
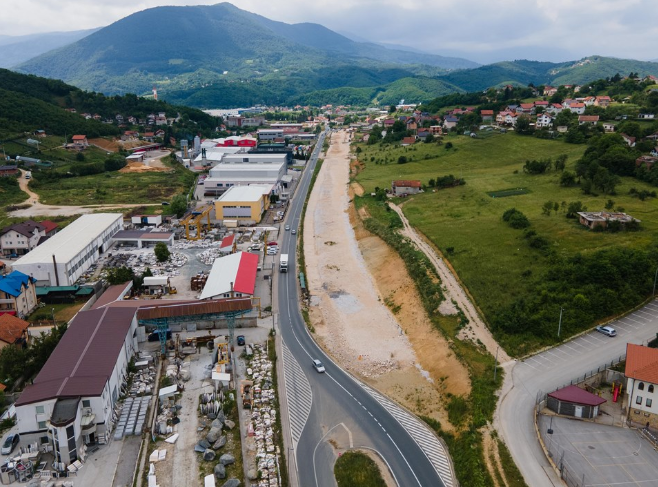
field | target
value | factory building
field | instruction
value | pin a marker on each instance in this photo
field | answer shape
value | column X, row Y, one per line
column 244, row 170
column 244, row 203
column 233, row 276
column 65, row 256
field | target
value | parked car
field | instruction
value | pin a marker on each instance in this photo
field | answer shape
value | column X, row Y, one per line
column 287, row 227
column 241, row 340
column 607, row 330
column 272, row 244
column 10, row 443
column 317, row 365
column 155, row 336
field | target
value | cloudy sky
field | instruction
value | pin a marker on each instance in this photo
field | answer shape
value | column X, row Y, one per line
column 481, row 30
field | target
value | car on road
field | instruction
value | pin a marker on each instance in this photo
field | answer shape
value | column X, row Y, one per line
column 272, row 251
column 293, row 231
column 607, row 330
column 241, row 340
column 10, row 443
column 317, row 365
column 287, row 227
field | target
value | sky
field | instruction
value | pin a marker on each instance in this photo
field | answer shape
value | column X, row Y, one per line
column 481, row 30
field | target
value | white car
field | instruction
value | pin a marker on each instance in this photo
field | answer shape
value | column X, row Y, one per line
column 317, row 365
column 607, row 330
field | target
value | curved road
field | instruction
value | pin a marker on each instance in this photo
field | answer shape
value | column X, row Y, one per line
column 552, row 369
column 339, row 409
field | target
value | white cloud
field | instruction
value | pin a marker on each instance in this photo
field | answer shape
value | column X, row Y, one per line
column 472, row 27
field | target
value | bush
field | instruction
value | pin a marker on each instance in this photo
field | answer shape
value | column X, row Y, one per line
column 402, row 160
column 516, row 219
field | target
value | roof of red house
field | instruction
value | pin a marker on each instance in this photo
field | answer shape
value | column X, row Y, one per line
column 527, row 105
column 588, row 118
column 236, row 272
column 541, row 103
column 12, row 328
column 409, row 140
column 84, row 358
column 603, row 98
column 404, row 183
column 557, row 105
column 48, row 225
column 79, row 137
column 577, row 395
column 486, row 112
column 227, row 241
column 577, row 105
column 627, row 137
column 642, row 363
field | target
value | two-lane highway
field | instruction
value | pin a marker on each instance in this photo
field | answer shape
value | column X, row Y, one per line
column 332, row 404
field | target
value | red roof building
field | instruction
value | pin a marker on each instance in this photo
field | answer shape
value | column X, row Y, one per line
column 233, row 276
column 642, row 384
column 13, row 330
column 574, row 401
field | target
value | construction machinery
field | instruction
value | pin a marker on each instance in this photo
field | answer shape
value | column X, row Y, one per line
column 194, row 220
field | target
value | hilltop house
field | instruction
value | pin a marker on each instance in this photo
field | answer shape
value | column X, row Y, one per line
column 642, row 384
column 628, row 139
column 601, row 219
column 405, row 187
column 13, row 331
column 450, row 122
column 20, row 238
column 544, row 120
column 18, row 294
column 80, row 141
column 588, row 119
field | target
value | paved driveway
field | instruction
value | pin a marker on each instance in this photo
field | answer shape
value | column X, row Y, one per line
column 600, row 455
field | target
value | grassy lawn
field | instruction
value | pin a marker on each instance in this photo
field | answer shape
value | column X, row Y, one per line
column 114, row 187
column 492, row 259
column 356, row 469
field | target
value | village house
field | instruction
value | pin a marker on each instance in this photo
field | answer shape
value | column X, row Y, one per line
column 405, row 187
column 8, row 171
column 608, row 127
column 601, row 219
column 646, row 116
column 526, row 108
column 487, row 116
column 544, row 120
column 541, row 103
column 588, row 101
column 20, row 238
column 450, row 122
column 13, row 331
column 588, row 119
column 436, row 130
column 554, row 108
column 408, row 141
column 18, row 294
column 646, row 161
column 602, row 101
column 80, row 141
column 628, row 139
column 549, row 90
column 641, row 384
column 577, row 107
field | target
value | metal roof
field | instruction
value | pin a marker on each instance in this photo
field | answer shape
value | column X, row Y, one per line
column 69, row 242
column 245, row 194
column 577, row 395
column 216, row 306
column 85, row 357
column 238, row 270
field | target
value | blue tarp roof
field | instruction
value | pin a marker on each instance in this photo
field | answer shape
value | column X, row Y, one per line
column 13, row 282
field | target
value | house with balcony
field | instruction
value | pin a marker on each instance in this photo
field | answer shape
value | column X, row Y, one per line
column 18, row 294
column 20, row 238
column 642, row 385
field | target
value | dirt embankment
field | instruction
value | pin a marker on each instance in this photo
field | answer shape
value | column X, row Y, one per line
column 356, row 281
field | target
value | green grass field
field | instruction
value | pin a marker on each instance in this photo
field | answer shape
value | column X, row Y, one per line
column 492, row 259
column 356, row 469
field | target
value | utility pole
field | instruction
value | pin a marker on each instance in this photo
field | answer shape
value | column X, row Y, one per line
column 559, row 326
column 496, row 364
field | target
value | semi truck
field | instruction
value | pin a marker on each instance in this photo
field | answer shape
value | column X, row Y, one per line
column 283, row 263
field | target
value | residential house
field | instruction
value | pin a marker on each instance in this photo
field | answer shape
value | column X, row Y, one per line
column 411, row 124
column 422, row 134
column 96, row 116
column 129, row 135
column 148, row 136
column 49, row 228
column 408, row 141
column 8, row 171
column 646, row 116
column 577, row 107
column 566, row 103
column 436, row 130
column 526, row 108
column 86, row 116
column 510, row 119
column 20, row 238
column 13, row 331
column 602, row 101
column 549, row 90
column 388, row 123
column 405, row 187
column 18, row 294
column 487, row 116
column 608, row 127
column 40, row 133
column 589, row 101
column 544, row 120
column 161, row 119
column 159, row 133
column 642, row 384
column 628, row 139
column 554, row 108
column 596, row 219
column 646, row 161
column 541, row 103
column 588, row 119
column 512, row 108
column 119, row 118
column 563, row 129
column 450, row 122
column 132, row 120
column 80, row 141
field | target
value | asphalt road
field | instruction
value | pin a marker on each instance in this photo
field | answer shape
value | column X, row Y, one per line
column 341, row 411
column 553, row 369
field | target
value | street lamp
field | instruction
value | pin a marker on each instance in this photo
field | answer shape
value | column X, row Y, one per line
column 559, row 326
column 53, row 313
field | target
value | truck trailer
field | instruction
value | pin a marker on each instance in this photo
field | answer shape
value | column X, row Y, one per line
column 283, row 263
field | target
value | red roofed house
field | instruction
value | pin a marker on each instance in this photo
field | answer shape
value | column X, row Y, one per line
column 408, row 141
column 487, row 115
column 578, row 108
column 602, row 101
column 13, row 331
column 228, row 244
column 628, row 139
column 527, row 108
column 72, row 400
column 404, row 187
column 574, row 401
column 642, row 384
column 233, row 276
column 80, row 140
column 549, row 90
column 588, row 119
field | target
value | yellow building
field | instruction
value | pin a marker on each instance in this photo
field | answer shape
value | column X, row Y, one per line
column 243, row 203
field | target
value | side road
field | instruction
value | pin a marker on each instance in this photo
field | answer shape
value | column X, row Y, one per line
column 453, row 289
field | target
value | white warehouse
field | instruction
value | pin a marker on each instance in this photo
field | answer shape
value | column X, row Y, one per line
column 65, row 256
column 246, row 169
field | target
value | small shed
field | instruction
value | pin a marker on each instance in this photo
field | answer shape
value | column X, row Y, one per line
column 574, row 401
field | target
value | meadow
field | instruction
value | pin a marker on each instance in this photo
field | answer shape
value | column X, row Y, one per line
column 492, row 259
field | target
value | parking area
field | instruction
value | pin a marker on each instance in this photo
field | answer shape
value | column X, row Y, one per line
column 639, row 319
column 592, row 454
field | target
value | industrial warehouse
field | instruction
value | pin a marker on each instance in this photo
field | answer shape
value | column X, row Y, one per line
column 65, row 256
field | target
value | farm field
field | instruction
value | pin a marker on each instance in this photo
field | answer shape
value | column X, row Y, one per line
column 493, row 260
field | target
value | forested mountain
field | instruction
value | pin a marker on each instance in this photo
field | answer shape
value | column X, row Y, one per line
column 28, row 103
column 15, row 50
